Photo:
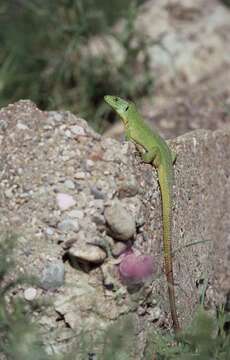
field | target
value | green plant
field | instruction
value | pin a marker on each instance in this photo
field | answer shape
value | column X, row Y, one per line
column 205, row 339
column 18, row 335
column 43, row 56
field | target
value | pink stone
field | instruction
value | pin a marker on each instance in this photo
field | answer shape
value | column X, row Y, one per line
column 65, row 201
column 135, row 269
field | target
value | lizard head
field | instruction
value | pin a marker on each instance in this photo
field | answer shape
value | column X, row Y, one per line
column 122, row 107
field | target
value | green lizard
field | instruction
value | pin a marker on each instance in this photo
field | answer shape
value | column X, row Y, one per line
column 153, row 150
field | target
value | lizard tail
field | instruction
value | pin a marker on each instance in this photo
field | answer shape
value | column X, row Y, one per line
column 166, row 194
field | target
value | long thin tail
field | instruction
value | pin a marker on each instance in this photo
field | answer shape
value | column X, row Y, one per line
column 166, row 191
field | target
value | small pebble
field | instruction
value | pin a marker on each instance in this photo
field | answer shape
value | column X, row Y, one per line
column 68, row 133
column 155, row 313
column 118, row 248
column 58, row 117
column 65, row 201
column 49, row 231
column 78, row 130
column 80, row 175
column 21, row 126
column 53, row 275
column 8, row 193
column 89, row 163
column 128, row 188
column 110, row 278
column 97, row 204
column 69, row 184
column 97, row 193
column 98, row 219
column 69, row 225
column 87, row 252
column 3, row 125
column 120, row 221
column 30, row 294
column 78, row 214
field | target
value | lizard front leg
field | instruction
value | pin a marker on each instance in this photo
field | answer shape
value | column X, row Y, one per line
column 174, row 156
column 151, row 156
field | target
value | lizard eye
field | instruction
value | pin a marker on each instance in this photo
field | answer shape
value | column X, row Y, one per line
column 127, row 108
column 116, row 99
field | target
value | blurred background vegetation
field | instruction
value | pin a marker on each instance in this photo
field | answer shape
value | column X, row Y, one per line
column 67, row 54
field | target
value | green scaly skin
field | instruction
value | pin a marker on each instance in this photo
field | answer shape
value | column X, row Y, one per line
column 153, row 149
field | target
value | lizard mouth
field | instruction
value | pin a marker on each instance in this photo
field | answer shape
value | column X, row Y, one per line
column 125, row 120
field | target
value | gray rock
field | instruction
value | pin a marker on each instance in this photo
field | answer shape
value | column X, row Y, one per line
column 78, row 214
column 110, row 276
column 96, row 206
column 69, row 184
column 97, row 193
column 69, row 225
column 135, row 207
column 118, row 248
column 86, row 253
column 55, row 116
column 89, row 164
column 99, row 220
column 52, row 275
column 65, row 201
column 128, row 187
column 22, row 126
column 78, row 130
column 68, row 133
column 120, row 221
column 9, row 193
column 80, row 175
column 3, row 125
column 155, row 313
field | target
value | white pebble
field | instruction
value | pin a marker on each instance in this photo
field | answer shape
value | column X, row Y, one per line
column 21, row 126
column 30, row 294
column 65, row 201
column 68, row 133
column 8, row 193
column 89, row 163
column 76, row 214
column 49, row 231
column 80, row 175
column 78, row 130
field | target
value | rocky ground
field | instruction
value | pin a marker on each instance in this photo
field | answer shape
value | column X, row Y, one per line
column 77, row 201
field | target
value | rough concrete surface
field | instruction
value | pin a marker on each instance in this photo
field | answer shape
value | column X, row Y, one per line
column 55, row 170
